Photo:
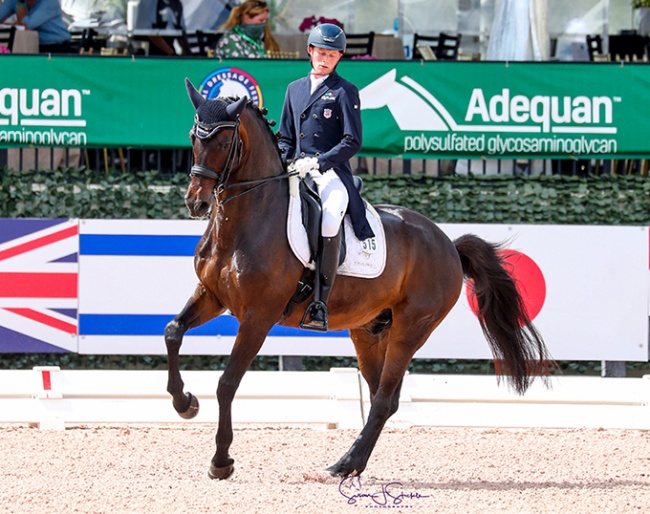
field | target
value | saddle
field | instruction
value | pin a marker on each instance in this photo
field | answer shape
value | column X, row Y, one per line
column 312, row 210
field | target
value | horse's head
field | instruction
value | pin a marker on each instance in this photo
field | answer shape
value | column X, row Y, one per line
column 216, row 147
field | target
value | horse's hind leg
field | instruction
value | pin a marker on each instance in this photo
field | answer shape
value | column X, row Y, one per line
column 371, row 355
column 400, row 348
column 200, row 308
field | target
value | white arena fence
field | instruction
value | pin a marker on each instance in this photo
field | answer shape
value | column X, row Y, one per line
column 51, row 398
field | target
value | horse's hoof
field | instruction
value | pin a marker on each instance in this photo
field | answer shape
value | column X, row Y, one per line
column 193, row 408
column 337, row 471
column 341, row 470
column 220, row 473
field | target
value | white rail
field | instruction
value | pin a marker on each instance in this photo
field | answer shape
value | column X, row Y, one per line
column 51, row 398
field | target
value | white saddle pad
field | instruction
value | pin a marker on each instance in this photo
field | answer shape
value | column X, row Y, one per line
column 358, row 262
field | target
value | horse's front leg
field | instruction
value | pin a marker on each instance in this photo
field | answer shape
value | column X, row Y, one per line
column 248, row 342
column 200, row 308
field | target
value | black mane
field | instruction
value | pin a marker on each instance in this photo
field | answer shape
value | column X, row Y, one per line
column 261, row 113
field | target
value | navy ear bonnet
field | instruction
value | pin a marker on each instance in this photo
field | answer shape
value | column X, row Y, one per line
column 213, row 115
column 212, row 111
column 210, row 117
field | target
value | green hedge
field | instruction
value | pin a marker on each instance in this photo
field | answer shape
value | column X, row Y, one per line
column 601, row 200
column 84, row 194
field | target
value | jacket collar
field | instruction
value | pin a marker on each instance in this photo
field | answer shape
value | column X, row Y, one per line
column 326, row 85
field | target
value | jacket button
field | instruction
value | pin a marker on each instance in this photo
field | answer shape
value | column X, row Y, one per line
column 315, row 116
column 302, row 135
column 302, row 116
column 302, row 154
column 317, row 154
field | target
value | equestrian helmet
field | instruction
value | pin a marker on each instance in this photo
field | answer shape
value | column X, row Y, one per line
column 327, row 36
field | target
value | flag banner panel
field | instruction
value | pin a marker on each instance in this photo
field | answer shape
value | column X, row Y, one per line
column 39, row 272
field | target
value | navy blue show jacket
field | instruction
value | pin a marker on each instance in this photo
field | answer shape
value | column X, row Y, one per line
column 326, row 125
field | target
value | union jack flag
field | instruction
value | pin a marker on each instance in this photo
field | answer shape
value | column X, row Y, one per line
column 39, row 272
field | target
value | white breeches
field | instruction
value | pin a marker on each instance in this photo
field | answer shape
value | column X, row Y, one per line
column 334, row 198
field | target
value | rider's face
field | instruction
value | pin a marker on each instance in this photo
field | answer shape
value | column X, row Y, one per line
column 323, row 61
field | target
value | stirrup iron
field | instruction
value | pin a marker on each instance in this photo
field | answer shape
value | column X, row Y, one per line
column 314, row 323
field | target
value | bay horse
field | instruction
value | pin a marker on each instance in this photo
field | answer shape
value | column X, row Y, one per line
column 244, row 264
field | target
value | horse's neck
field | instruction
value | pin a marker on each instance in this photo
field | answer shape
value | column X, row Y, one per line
column 254, row 211
column 260, row 214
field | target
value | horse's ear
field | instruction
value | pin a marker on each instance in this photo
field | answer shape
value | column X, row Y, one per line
column 195, row 96
column 236, row 108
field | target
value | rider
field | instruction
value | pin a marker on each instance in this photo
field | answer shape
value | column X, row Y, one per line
column 321, row 129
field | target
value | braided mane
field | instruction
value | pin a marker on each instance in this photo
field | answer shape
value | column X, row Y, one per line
column 261, row 113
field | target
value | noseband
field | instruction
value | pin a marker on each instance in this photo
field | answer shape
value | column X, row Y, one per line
column 208, row 130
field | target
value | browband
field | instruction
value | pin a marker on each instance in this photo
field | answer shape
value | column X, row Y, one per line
column 207, row 130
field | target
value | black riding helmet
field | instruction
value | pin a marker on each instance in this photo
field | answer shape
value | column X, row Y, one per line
column 327, row 36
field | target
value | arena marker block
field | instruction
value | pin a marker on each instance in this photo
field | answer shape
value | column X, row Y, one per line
column 51, row 423
column 49, row 417
column 45, row 392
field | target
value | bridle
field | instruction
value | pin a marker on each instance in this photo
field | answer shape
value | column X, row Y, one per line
column 209, row 130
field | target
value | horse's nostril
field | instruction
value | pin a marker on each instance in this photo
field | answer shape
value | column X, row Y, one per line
column 197, row 207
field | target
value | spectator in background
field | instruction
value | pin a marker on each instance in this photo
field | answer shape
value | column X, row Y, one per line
column 247, row 33
column 43, row 16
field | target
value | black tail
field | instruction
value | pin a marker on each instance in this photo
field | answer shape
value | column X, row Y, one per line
column 514, row 341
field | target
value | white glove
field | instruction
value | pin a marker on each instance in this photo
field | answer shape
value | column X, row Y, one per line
column 304, row 166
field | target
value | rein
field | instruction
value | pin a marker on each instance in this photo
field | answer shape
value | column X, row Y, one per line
column 254, row 183
column 203, row 131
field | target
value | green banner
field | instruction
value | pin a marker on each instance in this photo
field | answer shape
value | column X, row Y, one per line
column 409, row 109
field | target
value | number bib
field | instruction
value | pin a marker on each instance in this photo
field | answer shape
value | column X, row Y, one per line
column 369, row 245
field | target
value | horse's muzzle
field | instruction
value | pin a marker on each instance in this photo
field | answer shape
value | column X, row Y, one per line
column 198, row 208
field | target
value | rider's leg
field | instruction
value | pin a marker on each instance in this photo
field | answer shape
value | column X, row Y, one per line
column 335, row 199
column 327, row 265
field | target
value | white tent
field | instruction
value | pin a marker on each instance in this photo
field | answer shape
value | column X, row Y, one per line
column 519, row 32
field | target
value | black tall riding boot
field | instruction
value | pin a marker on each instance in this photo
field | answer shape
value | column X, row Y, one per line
column 326, row 266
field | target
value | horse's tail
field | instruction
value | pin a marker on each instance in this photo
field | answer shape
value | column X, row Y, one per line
column 514, row 341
